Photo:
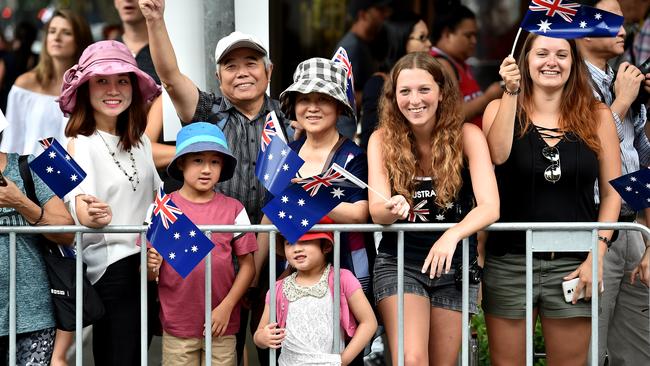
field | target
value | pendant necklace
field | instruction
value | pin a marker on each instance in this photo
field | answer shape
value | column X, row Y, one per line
column 134, row 179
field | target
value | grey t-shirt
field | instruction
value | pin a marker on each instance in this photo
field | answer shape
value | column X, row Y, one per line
column 33, row 302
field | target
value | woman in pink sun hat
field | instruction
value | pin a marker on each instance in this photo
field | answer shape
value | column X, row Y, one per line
column 106, row 96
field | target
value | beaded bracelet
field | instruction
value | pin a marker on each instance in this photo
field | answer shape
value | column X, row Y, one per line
column 39, row 218
column 516, row 92
column 605, row 240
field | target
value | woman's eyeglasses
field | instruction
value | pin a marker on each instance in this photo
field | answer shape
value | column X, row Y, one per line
column 422, row 38
column 552, row 173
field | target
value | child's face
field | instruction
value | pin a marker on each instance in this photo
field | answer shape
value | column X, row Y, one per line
column 305, row 255
column 110, row 95
column 201, row 170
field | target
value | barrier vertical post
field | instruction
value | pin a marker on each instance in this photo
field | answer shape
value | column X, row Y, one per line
column 144, row 344
column 465, row 309
column 336, row 316
column 594, row 297
column 529, row 297
column 208, row 303
column 12, row 298
column 400, row 298
column 272, row 276
column 78, row 338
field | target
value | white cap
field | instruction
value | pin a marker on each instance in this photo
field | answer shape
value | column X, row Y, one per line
column 236, row 40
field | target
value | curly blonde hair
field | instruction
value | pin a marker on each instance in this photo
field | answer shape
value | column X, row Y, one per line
column 398, row 140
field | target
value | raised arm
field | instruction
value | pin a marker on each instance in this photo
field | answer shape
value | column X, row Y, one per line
column 181, row 89
column 162, row 154
column 499, row 115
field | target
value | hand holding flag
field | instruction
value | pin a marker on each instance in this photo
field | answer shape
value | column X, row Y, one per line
column 56, row 168
column 175, row 236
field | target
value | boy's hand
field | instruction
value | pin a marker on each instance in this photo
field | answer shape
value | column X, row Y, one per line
column 154, row 260
column 271, row 336
column 220, row 319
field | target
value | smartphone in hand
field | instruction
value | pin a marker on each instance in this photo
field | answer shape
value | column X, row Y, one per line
column 569, row 287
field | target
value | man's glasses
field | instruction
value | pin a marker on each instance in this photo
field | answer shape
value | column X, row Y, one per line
column 552, row 173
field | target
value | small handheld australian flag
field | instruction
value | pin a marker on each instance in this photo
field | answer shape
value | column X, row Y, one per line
column 634, row 188
column 175, row 236
column 56, row 168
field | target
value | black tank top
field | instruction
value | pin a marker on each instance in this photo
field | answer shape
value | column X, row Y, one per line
column 425, row 210
column 526, row 196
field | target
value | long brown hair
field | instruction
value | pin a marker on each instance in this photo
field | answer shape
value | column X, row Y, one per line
column 82, row 39
column 130, row 124
column 578, row 105
column 398, row 141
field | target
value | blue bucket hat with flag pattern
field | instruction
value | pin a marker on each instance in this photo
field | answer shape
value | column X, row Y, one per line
column 200, row 137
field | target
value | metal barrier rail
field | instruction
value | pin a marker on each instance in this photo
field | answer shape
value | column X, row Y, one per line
column 568, row 237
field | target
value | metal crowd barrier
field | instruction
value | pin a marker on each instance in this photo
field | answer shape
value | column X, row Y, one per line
column 540, row 237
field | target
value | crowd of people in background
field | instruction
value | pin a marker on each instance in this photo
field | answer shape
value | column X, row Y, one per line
column 540, row 145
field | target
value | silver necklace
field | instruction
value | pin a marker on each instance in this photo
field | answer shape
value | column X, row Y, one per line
column 134, row 179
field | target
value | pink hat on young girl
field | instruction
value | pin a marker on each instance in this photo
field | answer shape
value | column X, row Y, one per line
column 103, row 58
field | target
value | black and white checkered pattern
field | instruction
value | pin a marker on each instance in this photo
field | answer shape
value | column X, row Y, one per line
column 319, row 75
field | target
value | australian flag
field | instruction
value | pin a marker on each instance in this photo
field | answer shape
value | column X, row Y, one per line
column 301, row 205
column 566, row 19
column 276, row 162
column 56, row 168
column 634, row 188
column 175, row 236
column 342, row 56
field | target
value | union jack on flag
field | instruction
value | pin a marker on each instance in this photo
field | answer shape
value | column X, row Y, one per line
column 313, row 184
column 419, row 212
column 165, row 209
column 341, row 56
column 47, row 142
column 271, row 128
column 564, row 9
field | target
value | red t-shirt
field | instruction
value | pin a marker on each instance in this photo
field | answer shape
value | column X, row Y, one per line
column 182, row 305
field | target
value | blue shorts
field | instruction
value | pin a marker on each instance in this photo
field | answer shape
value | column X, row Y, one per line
column 441, row 291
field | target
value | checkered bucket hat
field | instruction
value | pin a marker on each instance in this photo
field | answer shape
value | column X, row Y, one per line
column 317, row 75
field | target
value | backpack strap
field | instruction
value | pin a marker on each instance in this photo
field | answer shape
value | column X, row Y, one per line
column 28, row 180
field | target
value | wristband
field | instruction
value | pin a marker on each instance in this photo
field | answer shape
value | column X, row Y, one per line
column 605, row 240
column 39, row 218
column 516, row 92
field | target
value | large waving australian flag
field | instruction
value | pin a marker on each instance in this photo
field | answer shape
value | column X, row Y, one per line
column 276, row 162
column 56, row 168
column 566, row 19
column 301, row 205
column 341, row 56
column 175, row 236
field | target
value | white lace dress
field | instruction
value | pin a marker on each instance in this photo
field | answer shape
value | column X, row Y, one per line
column 309, row 337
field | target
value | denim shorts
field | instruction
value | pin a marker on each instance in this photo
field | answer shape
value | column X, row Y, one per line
column 441, row 291
column 504, row 287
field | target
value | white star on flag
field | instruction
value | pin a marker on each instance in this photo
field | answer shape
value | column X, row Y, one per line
column 284, row 199
column 58, row 172
column 285, row 167
column 544, row 26
column 647, row 185
column 73, row 177
column 440, row 217
column 195, row 249
column 284, row 152
column 67, row 157
column 281, row 214
column 598, row 16
column 449, row 205
column 192, row 233
column 628, row 188
column 583, row 24
column 172, row 255
column 304, row 222
column 301, row 202
column 337, row 193
column 290, row 216
column 49, row 169
column 177, row 236
column 266, row 177
column 270, row 156
column 633, row 179
column 52, row 155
